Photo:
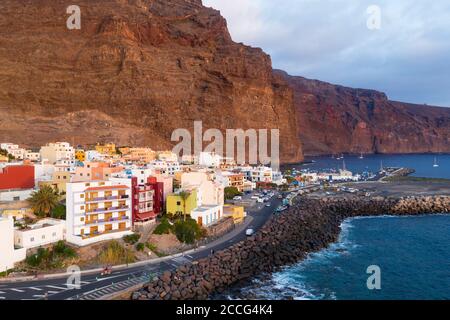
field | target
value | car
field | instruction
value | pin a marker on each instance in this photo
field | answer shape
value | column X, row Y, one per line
column 280, row 197
column 237, row 198
column 249, row 232
column 260, row 200
column 268, row 205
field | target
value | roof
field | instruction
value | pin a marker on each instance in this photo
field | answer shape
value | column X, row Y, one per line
column 106, row 188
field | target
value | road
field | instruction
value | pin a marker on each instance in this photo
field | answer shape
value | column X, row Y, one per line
column 95, row 286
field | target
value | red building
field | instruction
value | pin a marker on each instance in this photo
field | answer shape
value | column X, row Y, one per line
column 17, row 177
column 148, row 199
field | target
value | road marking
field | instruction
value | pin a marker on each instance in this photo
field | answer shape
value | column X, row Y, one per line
column 38, row 296
column 1, row 292
column 55, row 287
column 52, row 292
column 2, row 298
column 16, row 290
column 35, row 289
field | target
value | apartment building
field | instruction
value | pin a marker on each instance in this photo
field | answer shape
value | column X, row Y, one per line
column 32, row 156
column 261, row 174
column 139, row 155
column 166, row 167
column 54, row 152
column 108, row 148
column 14, row 150
column 147, row 198
column 231, row 179
column 95, row 171
column 97, row 211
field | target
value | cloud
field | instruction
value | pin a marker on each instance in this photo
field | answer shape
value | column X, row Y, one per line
column 408, row 58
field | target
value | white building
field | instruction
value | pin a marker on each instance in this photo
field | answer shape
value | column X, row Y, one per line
column 97, row 211
column 166, row 167
column 54, row 152
column 207, row 215
column 14, row 150
column 15, row 195
column 32, row 156
column 209, row 159
column 142, row 174
column 94, row 155
column 42, row 233
column 43, row 172
column 65, row 165
column 261, row 174
column 8, row 254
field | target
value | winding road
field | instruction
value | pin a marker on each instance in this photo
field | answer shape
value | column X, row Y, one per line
column 94, row 286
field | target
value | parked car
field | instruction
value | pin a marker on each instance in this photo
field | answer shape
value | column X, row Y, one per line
column 249, row 232
column 237, row 198
column 268, row 205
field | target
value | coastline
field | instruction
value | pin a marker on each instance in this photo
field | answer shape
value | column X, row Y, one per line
column 309, row 226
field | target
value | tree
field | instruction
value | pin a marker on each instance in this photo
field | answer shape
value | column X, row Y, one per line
column 184, row 196
column 231, row 192
column 43, row 201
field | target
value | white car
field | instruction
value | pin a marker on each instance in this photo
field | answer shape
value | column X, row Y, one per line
column 237, row 198
column 249, row 232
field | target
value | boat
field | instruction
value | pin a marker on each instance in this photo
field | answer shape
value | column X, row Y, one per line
column 435, row 165
column 361, row 156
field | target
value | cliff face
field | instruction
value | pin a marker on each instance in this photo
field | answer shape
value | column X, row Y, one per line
column 337, row 119
column 137, row 70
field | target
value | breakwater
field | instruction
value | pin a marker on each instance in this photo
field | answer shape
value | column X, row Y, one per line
column 310, row 225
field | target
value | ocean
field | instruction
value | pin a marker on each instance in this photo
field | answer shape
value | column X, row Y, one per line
column 422, row 163
column 412, row 254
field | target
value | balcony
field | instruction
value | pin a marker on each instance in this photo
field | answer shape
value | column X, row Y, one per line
column 106, row 221
column 107, row 210
column 110, row 198
column 98, row 233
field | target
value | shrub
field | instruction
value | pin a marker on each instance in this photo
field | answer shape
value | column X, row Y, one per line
column 114, row 253
column 63, row 250
column 231, row 192
column 188, row 231
column 132, row 238
column 164, row 227
column 140, row 246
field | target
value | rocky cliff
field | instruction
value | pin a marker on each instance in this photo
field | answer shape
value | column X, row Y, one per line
column 138, row 69
column 334, row 119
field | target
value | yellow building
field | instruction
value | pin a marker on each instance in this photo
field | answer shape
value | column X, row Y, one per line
column 178, row 205
column 109, row 148
column 80, row 155
column 236, row 212
column 4, row 158
column 58, row 182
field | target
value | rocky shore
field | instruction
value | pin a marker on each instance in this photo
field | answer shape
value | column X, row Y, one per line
column 308, row 226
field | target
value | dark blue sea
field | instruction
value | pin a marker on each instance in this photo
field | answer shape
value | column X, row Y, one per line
column 422, row 163
column 412, row 253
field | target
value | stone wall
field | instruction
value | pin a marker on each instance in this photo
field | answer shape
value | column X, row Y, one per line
column 310, row 225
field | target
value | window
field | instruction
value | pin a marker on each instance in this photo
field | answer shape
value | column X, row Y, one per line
column 82, row 196
column 43, row 236
column 31, row 239
column 54, row 234
column 81, row 219
column 82, row 208
column 16, row 198
column 178, row 203
column 87, row 184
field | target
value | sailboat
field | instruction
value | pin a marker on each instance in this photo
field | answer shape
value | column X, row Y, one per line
column 361, row 156
column 435, row 165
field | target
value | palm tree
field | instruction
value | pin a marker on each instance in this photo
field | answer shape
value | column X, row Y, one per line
column 43, row 201
column 184, row 196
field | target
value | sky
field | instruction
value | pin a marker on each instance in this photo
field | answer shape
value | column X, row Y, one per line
column 400, row 47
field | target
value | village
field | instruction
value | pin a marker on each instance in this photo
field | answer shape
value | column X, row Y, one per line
column 105, row 205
